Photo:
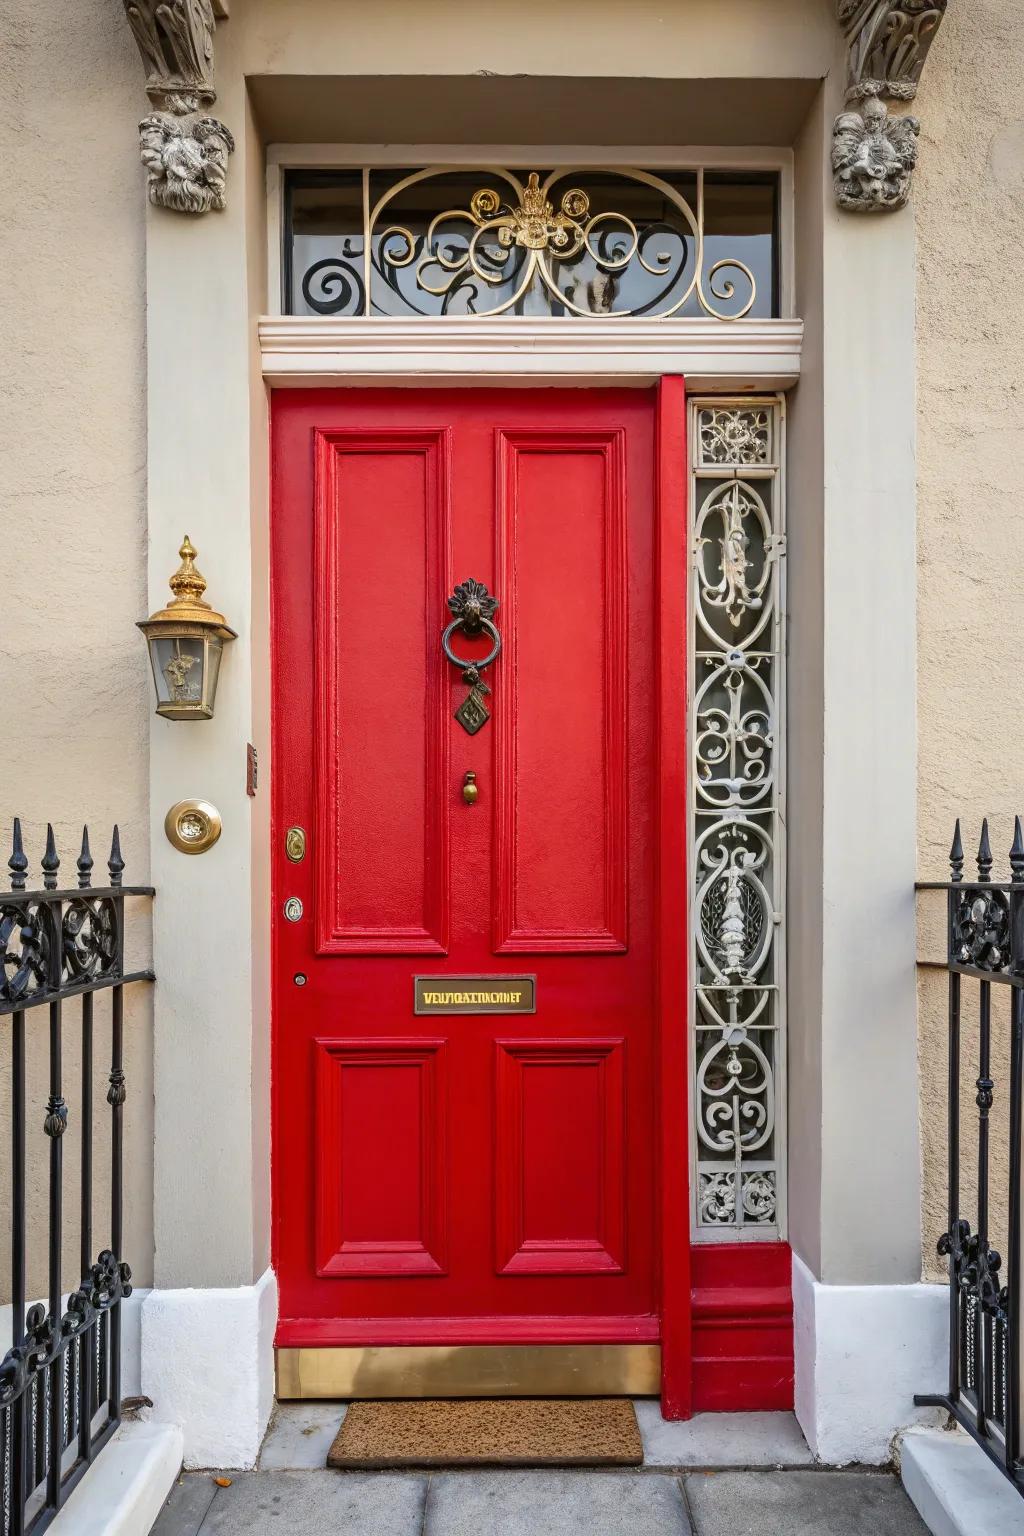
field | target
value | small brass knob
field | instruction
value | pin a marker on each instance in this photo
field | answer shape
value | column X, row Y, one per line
column 470, row 792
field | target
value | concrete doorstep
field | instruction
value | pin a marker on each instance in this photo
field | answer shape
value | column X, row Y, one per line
column 717, row 1475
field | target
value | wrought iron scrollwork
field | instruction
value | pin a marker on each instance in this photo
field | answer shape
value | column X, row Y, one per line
column 734, row 721
column 735, row 437
column 64, row 939
column 737, row 549
column 24, row 950
column 334, row 286
column 737, row 557
column 981, row 929
column 60, row 1385
column 716, row 1198
column 558, row 241
column 985, row 952
column 90, row 938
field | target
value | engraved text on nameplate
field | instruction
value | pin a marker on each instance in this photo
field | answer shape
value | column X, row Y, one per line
column 474, row 994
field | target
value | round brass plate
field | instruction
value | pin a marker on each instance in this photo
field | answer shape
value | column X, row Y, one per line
column 192, row 826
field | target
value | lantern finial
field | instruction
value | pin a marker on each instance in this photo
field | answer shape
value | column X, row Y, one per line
column 188, row 602
column 188, row 584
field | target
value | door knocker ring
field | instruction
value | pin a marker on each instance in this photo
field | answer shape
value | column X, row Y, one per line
column 472, row 607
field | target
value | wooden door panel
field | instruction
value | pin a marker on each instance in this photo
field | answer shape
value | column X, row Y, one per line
column 560, row 1200
column 382, row 1164
column 465, row 1178
column 382, row 535
column 561, row 733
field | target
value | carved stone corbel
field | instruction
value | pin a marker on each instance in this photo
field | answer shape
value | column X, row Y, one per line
column 184, row 149
column 873, row 154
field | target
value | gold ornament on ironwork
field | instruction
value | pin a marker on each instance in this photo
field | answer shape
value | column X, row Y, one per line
column 534, row 224
column 549, row 238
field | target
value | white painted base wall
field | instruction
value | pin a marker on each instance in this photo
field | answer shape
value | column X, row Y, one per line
column 862, row 1351
column 208, row 1365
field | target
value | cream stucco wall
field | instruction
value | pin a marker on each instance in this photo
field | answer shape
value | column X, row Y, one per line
column 73, row 417
column 969, row 203
column 72, row 507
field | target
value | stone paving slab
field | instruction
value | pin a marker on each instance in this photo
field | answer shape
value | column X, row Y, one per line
column 721, row 1439
column 300, row 1435
column 301, row 1504
column 569, row 1503
column 187, row 1506
column 554, row 1504
column 800, row 1504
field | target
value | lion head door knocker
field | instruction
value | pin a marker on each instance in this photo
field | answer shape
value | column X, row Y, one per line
column 472, row 608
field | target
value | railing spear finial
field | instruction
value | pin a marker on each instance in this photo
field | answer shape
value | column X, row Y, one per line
column 984, row 854
column 84, row 861
column 1017, row 853
column 115, row 863
column 956, row 854
column 50, row 861
column 17, row 863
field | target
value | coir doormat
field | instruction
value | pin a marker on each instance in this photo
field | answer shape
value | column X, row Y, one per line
column 505, row 1432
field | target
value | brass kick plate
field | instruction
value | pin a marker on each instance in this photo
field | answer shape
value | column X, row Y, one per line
column 471, row 1370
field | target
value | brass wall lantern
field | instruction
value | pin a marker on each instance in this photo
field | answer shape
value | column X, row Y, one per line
column 186, row 641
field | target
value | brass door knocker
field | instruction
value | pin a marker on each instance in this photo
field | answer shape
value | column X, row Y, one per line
column 472, row 607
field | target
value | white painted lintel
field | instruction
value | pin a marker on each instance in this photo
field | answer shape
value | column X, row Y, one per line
column 713, row 355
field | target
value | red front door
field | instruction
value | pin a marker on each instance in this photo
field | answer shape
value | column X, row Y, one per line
column 466, row 1176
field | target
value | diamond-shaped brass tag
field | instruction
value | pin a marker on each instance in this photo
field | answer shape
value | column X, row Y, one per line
column 472, row 713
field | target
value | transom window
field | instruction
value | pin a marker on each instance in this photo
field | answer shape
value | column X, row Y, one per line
column 534, row 242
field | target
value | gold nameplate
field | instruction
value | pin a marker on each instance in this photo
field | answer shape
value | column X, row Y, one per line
column 474, row 994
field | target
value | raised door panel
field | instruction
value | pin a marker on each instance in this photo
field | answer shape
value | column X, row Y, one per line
column 381, row 1158
column 561, row 793
column 382, row 566
column 560, row 1155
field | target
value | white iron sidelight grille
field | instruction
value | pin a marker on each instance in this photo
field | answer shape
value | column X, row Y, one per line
column 737, row 818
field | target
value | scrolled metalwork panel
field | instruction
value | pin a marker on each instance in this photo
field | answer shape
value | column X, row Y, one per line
column 588, row 241
column 729, row 436
column 737, row 818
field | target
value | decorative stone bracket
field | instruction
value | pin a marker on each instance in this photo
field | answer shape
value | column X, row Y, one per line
column 873, row 154
column 184, row 149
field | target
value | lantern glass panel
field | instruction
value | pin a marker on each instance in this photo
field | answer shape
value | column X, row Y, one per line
column 214, row 652
column 178, row 670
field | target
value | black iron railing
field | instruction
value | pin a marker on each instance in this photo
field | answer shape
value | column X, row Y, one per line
column 985, row 945
column 60, row 1382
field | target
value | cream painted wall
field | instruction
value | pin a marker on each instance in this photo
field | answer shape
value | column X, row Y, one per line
column 781, row 38
column 74, row 444
column 969, row 202
column 72, row 505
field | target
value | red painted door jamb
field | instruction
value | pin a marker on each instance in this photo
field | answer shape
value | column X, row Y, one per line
column 671, row 590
